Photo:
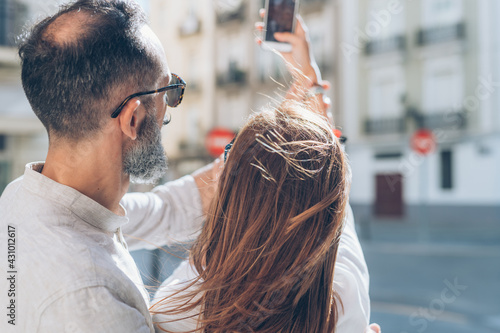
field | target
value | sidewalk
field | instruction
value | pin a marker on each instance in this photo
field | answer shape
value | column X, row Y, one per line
column 433, row 248
column 474, row 233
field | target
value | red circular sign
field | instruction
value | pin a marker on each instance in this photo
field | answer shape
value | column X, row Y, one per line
column 337, row 133
column 423, row 141
column 217, row 139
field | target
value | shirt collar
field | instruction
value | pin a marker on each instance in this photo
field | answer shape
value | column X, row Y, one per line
column 82, row 206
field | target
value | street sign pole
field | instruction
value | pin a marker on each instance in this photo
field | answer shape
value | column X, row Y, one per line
column 423, row 142
column 423, row 214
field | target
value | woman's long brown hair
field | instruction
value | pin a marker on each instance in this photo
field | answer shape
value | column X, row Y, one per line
column 267, row 251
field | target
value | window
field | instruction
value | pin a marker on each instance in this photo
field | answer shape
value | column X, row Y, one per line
column 3, row 142
column 194, row 76
column 386, row 89
column 231, row 111
column 390, row 24
column 446, row 170
column 441, row 12
column 4, row 175
column 270, row 67
column 231, row 49
column 190, row 24
column 443, row 85
column 13, row 15
column 321, row 42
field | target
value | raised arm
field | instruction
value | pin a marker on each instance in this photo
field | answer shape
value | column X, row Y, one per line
column 170, row 213
column 351, row 279
column 302, row 65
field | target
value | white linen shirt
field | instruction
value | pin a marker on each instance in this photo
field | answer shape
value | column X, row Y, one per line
column 73, row 270
column 350, row 281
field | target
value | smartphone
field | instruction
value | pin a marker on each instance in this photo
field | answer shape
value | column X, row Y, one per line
column 280, row 17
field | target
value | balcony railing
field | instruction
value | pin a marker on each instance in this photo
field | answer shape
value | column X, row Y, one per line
column 193, row 86
column 312, row 2
column 393, row 125
column 13, row 16
column 441, row 34
column 231, row 77
column 395, row 43
column 445, row 120
column 232, row 15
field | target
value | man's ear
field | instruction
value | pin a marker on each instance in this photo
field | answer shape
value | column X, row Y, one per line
column 129, row 118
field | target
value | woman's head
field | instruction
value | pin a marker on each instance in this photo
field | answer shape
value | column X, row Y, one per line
column 267, row 251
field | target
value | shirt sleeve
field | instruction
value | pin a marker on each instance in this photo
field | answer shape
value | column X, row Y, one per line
column 351, row 281
column 182, row 277
column 93, row 309
column 169, row 214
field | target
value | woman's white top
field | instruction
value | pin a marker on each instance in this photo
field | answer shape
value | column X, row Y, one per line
column 351, row 281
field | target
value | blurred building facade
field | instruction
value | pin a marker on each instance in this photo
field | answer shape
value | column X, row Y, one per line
column 430, row 64
column 212, row 45
column 396, row 66
column 22, row 136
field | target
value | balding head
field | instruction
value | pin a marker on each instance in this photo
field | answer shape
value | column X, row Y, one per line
column 69, row 28
column 78, row 64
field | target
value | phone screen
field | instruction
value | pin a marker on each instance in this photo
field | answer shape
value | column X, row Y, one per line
column 280, row 16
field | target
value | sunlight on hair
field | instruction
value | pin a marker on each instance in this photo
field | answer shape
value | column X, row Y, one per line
column 272, row 233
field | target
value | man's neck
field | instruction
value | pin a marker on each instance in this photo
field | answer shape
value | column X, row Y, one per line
column 90, row 168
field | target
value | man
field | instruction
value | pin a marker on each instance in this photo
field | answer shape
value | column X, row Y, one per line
column 70, row 268
column 96, row 76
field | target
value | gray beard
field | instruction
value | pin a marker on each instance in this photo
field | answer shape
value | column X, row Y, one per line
column 146, row 161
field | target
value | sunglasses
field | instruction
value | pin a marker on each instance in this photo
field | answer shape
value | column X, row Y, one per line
column 173, row 95
column 228, row 148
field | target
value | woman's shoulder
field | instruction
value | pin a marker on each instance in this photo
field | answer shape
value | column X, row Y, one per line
column 162, row 307
column 181, row 278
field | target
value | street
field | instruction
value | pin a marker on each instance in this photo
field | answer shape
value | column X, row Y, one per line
column 443, row 285
column 434, row 288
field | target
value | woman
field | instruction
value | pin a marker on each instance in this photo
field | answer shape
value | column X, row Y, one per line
column 266, row 257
